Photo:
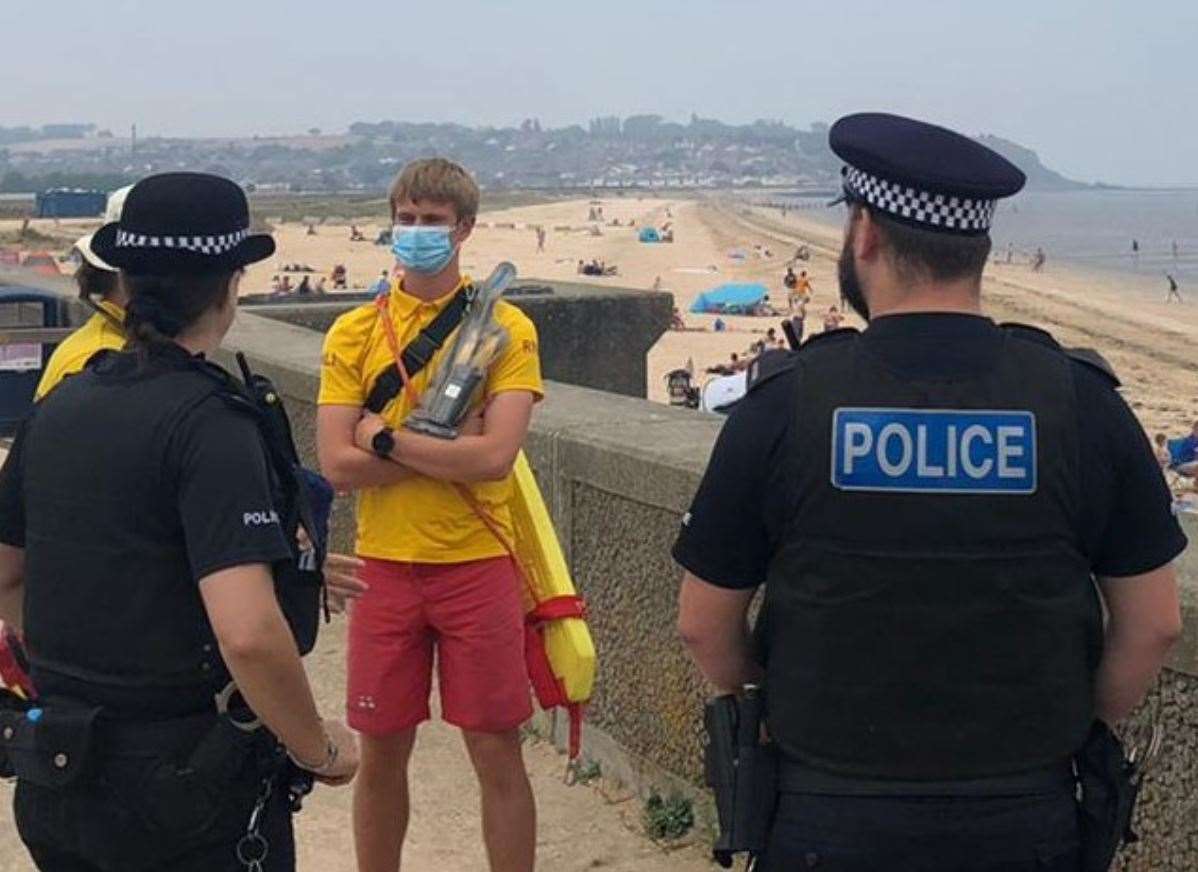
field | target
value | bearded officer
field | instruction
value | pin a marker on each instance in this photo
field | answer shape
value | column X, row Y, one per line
column 928, row 504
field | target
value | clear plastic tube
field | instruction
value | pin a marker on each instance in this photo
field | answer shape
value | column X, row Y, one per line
column 458, row 382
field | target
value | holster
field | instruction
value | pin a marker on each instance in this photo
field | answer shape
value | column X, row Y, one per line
column 742, row 772
column 51, row 748
column 1108, row 798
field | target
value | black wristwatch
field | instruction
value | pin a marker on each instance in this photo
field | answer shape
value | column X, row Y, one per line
column 383, row 443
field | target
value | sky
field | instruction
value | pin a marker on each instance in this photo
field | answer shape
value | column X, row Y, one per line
column 1102, row 90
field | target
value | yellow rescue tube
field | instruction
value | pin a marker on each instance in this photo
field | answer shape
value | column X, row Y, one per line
column 568, row 641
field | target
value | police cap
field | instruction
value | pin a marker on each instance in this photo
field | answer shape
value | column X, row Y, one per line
column 921, row 174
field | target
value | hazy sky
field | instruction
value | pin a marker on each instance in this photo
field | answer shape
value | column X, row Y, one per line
column 1102, row 90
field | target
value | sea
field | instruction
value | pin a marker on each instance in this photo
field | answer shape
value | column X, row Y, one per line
column 1092, row 229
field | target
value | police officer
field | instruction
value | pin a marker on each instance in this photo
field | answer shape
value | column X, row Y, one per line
column 928, row 503
column 158, row 577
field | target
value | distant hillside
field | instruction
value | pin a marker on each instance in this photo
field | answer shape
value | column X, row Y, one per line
column 641, row 151
column 1038, row 176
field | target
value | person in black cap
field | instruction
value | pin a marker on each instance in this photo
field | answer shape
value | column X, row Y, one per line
column 167, row 576
column 928, row 504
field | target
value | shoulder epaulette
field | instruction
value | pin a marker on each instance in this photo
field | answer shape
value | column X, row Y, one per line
column 1033, row 334
column 1090, row 358
column 839, row 334
column 768, row 366
column 1087, row 357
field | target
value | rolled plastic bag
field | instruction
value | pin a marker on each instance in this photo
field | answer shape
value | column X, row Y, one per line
column 457, row 385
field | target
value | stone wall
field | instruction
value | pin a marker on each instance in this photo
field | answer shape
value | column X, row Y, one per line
column 591, row 335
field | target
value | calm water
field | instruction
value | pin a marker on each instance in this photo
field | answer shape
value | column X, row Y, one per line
column 1095, row 229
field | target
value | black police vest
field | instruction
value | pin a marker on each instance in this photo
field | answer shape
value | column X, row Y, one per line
column 917, row 632
column 112, row 612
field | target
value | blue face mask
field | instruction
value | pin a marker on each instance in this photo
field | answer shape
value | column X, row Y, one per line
column 423, row 249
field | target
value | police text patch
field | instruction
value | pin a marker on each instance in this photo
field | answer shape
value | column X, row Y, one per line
column 934, row 451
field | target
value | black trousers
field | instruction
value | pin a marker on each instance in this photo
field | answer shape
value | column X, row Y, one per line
column 150, row 806
column 912, row 834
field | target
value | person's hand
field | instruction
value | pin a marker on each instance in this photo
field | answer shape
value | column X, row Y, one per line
column 341, row 577
column 345, row 767
column 367, row 429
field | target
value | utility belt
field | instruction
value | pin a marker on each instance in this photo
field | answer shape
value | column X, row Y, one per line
column 179, row 778
column 56, row 742
column 747, row 775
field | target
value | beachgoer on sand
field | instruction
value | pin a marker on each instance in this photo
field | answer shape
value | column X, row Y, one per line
column 1174, row 292
column 1185, row 454
column 799, row 320
column 1161, row 446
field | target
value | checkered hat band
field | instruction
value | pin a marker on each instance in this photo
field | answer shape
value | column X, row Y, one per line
column 923, row 207
column 200, row 244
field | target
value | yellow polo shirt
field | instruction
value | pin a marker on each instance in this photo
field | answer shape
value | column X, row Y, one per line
column 423, row 520
column 97, row 334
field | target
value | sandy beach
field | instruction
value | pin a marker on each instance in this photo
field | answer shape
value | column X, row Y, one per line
column 1150, row 343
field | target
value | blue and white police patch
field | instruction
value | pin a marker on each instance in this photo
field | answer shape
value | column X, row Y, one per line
column 957, row 451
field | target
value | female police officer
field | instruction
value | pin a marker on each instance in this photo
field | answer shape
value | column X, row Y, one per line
column 158, row 566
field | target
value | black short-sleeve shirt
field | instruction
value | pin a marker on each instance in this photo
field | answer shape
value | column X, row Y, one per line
column 739, row 513
column 128, row 484
column 222, row 490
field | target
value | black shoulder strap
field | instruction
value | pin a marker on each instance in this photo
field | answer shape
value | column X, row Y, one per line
column 1087, row 357
column 767, row 366
column 419, row 351
column 1094, row 360
column 1030, row 333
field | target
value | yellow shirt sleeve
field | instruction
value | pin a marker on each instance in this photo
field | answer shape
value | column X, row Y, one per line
column 519, row 365
column 52, row 375
column 61, row 366
column 341, row 380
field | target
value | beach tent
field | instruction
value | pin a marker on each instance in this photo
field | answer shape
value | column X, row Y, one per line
column 649, row 234
column 730, row 298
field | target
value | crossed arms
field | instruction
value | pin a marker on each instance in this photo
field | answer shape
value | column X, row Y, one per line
column 485, row 450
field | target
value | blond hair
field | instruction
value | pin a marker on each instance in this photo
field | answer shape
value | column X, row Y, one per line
column 438, row 180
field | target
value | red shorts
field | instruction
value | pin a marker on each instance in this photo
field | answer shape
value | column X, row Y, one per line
column 471, row 613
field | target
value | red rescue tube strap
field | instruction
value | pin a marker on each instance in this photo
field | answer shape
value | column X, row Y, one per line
column 558, row 608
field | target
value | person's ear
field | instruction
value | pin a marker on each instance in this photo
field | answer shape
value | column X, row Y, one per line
column 464, row 229
column 234, row 287
column 867, row 238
